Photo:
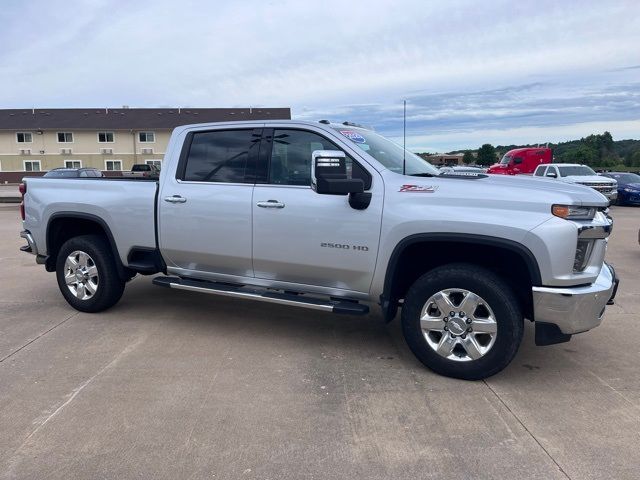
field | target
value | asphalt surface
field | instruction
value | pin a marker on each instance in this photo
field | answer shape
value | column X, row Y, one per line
column 176, row 385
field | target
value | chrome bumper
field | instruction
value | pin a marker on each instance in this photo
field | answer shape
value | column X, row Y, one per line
column 31, row 244
column 575, row 309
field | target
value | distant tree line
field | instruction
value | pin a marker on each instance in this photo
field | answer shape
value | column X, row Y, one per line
column 597, row 151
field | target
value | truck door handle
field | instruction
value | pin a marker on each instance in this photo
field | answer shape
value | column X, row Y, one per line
column 175, row 199
column 271, row 204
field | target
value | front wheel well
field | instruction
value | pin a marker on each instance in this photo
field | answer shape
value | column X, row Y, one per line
column 513, row 263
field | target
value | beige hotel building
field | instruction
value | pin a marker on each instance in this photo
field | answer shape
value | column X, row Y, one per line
column 33, row 141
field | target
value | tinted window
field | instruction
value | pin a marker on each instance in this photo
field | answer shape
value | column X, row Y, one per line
column 140, row 168
column 220, row 156
column 540, row 171
column 291, row 158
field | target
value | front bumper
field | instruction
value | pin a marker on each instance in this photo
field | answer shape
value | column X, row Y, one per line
column 575, row 309
column 612, row 197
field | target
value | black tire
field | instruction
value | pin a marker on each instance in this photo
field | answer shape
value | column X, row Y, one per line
column 109, row 284
column 496, row 293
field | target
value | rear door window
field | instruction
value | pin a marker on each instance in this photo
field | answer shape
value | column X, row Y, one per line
column 220, row 156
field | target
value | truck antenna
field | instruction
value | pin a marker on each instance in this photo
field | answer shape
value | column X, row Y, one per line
column 404, row 138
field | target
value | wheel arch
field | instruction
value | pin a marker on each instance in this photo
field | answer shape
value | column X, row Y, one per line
column 514, row 260
column 65, row 225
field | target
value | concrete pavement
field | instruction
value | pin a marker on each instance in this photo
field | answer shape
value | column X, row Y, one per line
column 171, row 384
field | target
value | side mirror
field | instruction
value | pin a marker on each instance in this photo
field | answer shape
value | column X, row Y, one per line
column 552, row 175
column 329, row 174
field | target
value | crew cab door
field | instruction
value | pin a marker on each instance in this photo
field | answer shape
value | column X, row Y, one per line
column 307, row 239
column 205, row 208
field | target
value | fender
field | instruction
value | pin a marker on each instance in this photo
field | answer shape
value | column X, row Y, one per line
column 390, row 306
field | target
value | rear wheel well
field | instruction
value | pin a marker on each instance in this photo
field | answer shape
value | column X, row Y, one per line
column 63, row 228
column 420, row 257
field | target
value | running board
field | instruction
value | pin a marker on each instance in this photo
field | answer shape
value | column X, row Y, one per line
column 345, row 307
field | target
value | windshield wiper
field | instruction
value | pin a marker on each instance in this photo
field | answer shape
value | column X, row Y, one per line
column 422, row 175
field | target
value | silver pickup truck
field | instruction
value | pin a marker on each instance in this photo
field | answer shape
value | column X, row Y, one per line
column 334, row 217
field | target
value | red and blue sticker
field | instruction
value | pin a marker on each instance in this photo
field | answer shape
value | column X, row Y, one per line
column 353, row 136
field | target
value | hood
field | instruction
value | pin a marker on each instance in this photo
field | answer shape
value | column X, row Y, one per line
column 498, row 166
column 588, row 179
column 519, row 192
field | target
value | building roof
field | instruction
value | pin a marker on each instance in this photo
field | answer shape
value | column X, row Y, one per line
column 129, row 118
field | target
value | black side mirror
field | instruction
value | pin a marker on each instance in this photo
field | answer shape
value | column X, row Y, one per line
column 329, row 174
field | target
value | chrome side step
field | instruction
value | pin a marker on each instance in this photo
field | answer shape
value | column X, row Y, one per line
column 345, row 307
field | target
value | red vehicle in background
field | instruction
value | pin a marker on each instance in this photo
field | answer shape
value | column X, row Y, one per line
column 522, row 161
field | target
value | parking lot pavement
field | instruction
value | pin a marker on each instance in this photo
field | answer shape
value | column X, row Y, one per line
column 175, row 385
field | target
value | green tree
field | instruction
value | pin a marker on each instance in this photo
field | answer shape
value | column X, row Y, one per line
column 486, row 154
column 468, row 157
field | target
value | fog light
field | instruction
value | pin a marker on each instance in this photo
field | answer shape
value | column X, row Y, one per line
column 583, row 253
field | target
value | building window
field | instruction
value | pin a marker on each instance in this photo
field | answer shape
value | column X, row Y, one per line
column 157, row 163
column 105, row 137
column 147, row 137
column 73, row 164
column 24, row 137
column 32, row 165
column 113, row 165
column 65, row 137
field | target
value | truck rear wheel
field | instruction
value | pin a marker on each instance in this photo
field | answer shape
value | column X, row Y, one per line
column 462, row 321
column 87, row 274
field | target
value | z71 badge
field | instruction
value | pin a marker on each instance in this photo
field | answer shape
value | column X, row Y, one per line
column 418, row 188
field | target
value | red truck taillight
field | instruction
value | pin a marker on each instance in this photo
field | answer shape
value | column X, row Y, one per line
column 22, row 188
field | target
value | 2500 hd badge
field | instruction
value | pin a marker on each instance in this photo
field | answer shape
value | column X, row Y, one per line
column 344, row 246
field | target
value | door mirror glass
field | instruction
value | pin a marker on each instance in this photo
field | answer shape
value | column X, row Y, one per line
column 552, row 175
column 329, row 174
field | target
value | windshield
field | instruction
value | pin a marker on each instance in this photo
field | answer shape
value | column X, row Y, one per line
column 505, row 160
column 625, row 178
column 388, row 153
column 579, row 171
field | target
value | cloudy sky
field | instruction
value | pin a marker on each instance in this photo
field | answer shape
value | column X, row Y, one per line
column 471, row 72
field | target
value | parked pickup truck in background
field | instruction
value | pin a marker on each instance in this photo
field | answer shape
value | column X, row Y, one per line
column 143, row 170
column 580, row 175
column 522, row 161
column 292, row 213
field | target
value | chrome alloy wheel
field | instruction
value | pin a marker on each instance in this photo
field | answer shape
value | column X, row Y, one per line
column 458, row 324
column 81, row 275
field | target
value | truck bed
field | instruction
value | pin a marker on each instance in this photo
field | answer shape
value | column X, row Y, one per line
column 125, row 205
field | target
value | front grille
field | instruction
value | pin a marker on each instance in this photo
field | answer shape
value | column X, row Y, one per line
column 601, row 187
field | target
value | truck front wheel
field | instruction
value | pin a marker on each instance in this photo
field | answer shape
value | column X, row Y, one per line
column 462, row 321
column 87, row 274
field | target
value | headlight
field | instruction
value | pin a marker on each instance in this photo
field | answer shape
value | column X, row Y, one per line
column 573, row 212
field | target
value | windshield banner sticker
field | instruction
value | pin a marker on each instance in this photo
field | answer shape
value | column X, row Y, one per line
column 353, row 136
column 418, row 188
